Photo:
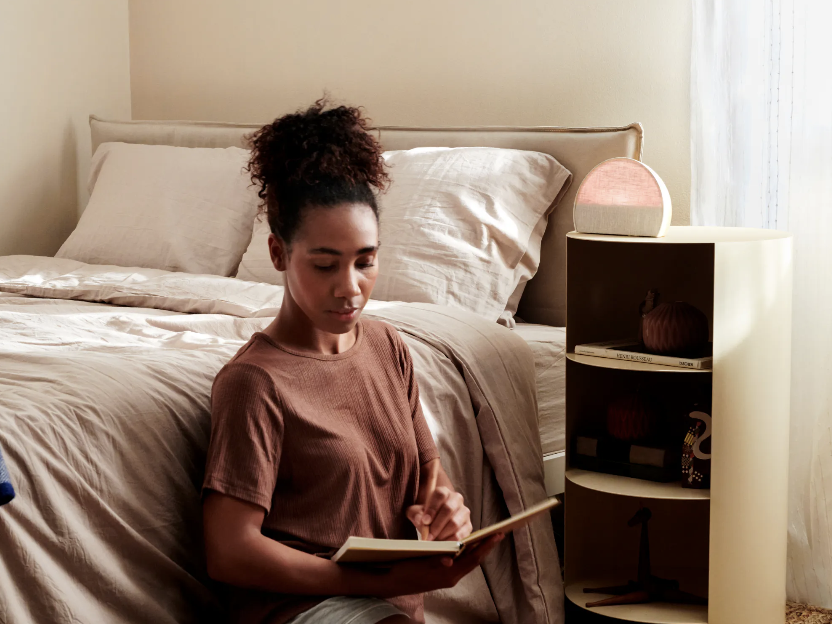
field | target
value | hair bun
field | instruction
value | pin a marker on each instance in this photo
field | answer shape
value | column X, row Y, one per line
column 316, row 146
column 320, row 157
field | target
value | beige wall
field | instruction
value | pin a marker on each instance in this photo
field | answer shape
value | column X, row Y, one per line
column 431, row 62
column 59, row 62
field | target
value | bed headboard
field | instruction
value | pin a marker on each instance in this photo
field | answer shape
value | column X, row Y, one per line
column 578, row 149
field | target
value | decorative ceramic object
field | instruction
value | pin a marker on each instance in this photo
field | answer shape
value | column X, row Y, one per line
column 651, row 300
column 625, row 197
column 631, row 418
column 696, row 452
column 676, row 328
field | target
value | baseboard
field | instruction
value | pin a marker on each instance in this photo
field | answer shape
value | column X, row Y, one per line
column 554, row 466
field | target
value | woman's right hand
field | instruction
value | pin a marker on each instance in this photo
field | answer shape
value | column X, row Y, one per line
column 416, row 576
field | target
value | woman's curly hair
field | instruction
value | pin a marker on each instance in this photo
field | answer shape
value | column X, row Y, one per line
column 317, row 157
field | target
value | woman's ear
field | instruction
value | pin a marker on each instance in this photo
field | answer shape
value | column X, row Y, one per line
column 278, row 251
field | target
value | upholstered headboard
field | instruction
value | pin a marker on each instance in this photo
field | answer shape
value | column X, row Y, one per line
column 578, row 149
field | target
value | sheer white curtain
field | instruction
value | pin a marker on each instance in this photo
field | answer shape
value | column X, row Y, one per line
column 761, row 117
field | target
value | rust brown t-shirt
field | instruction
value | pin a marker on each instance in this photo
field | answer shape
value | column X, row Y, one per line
column 329, row 445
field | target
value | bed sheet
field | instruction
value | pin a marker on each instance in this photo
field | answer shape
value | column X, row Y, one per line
column 104, row 420
column 548, row 344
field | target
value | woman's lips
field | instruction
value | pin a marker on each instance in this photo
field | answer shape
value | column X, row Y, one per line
column 347, row 314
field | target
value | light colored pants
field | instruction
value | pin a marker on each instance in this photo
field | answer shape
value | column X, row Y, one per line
column 347, row 610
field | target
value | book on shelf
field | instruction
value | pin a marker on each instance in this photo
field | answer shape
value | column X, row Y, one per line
column 634, row 351
column 369, row 550
column 649, row 461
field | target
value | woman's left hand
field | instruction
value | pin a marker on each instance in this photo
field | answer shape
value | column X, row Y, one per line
column 446, row 514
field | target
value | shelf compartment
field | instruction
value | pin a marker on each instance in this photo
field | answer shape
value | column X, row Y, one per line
column 628, row 365
column 637, row 488
column 653, row 613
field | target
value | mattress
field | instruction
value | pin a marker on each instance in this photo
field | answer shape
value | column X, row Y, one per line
column 549, row 347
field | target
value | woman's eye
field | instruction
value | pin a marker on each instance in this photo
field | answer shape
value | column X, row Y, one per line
column 365, row 265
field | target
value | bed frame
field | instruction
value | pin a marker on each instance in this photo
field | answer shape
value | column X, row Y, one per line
column 578, row 149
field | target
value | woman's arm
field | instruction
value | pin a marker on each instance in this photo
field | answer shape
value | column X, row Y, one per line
column 443, row 508
column 237, row 553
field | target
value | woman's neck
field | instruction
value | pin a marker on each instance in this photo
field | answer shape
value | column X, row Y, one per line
column 292, row 328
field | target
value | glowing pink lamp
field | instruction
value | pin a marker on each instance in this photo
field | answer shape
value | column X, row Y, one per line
column 625, row 197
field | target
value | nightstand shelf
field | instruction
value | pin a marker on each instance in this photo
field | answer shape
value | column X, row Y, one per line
column 637, row 488
column 727, row 543
column 600, row 362
column 656, row 613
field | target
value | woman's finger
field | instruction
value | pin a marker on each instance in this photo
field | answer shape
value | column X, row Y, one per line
column 445, row 514
column 453, row 528
column 414, row 514
column 473, row 556
column 480, row 551
column 434, row 502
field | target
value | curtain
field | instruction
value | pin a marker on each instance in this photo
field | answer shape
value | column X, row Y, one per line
column 761, row 154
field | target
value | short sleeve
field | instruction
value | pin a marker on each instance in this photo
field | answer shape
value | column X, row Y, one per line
column 246, row 435
column 424, row 438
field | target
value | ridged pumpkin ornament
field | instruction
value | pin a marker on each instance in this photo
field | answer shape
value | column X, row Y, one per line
column 675, row 328
column 631, row 418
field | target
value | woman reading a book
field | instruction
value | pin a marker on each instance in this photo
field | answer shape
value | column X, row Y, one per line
column 317, row 433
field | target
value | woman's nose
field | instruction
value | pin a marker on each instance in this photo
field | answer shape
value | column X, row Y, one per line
column 347, row 286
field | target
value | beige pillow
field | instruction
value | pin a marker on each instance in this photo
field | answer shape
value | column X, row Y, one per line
column 256, row 265
column 163, row 207
column 459, row 227
column 457, row 224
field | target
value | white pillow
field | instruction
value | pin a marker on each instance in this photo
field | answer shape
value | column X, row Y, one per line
column 459, row 226
column 256, row 265
column 163, row 207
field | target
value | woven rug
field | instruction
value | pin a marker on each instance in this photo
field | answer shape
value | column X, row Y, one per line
column 804, row 614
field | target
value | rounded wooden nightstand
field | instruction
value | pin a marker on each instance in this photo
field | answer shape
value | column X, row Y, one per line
column 727, row 543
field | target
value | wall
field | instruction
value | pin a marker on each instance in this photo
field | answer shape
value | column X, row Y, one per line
column 59, row 62
column 431, row 62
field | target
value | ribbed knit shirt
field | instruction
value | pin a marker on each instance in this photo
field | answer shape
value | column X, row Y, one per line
column 329, row 445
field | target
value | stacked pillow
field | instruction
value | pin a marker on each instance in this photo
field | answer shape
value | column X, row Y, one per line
column 459, row 226
column 163, row 207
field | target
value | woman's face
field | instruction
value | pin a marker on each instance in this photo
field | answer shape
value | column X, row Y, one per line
column 330, row 267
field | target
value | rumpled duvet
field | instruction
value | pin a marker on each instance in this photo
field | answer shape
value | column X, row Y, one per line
column 105, row 379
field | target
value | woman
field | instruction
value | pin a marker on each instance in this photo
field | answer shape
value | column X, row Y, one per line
column 317, row 433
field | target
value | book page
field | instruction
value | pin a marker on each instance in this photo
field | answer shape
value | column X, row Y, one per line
column 509, row 524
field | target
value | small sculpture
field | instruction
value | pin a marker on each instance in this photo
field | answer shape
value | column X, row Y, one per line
column 651, row 300
column 631, row 418
column 696, row 463
column 675, row 328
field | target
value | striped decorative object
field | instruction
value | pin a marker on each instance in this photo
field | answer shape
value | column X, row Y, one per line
column 676, row 328
column 631, row 418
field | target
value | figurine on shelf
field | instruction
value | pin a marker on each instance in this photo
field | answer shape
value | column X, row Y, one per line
column 651, row 300
column 696, row 456
column 675, row 328
column 647, row 588
column 632, row 417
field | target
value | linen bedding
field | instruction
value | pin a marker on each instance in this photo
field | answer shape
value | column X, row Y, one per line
column 548, row 345
column 105, row 377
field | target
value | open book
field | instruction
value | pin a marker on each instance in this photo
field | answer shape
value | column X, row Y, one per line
column 369, row 550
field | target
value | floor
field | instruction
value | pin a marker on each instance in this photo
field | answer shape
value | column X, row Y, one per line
column 795, row 614
column 802, row 614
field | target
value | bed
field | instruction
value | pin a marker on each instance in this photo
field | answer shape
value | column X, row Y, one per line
column 543, row 303
column 105, row 377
